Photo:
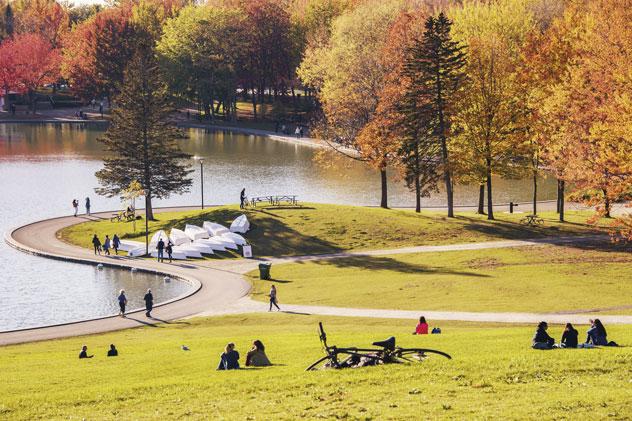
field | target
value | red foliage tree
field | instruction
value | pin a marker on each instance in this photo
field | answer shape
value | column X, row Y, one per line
column 28, row 61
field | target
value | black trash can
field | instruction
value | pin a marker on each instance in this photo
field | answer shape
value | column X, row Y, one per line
column 264, row 271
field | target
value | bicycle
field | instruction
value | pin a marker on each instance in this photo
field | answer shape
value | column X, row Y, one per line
column 386, row 353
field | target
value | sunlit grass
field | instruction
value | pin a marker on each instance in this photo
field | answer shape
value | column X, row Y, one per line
column 319, row 228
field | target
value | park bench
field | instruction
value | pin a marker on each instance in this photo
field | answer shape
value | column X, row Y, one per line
column 290, row 200
column 532, row 220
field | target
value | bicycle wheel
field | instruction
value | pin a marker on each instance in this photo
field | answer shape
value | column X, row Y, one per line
column 417, row 354
column 320, row 364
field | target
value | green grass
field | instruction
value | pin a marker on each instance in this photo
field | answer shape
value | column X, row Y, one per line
column 531, row 279
column 493, row 373
column 320, row 228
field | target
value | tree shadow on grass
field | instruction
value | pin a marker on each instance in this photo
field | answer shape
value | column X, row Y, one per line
column 390, row 264
column 268, row 234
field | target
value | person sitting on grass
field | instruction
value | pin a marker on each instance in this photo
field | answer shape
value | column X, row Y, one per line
column 84, row 352
column 541, row 339
column 229, row 360
column 112, row 352
column 257, row 357
column 597, row 335
column 422, row 327
column 569, row 337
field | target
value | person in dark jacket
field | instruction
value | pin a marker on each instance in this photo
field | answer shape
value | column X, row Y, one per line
column 541, row 339
column 169, row 250
column 116, row 243
column 597, row 334
column 242, row 198
column 161, row 248
column 84, row 352
column 229, row 360
column 569, row 337
column 97, row 244
column 149, row 303
column 112, row 352
column 122, row 300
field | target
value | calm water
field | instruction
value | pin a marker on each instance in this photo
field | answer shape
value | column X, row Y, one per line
column 43, row 167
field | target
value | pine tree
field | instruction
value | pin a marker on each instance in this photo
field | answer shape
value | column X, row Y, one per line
column 436, row 68
column 141, row 138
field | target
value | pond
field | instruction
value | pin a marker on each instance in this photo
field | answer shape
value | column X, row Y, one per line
column 44, row 166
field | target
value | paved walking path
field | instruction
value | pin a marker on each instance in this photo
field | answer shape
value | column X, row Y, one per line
column 219, row 286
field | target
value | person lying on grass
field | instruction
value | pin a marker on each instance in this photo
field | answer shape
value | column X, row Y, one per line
column 541, row 339
column 229, row 360
column 257, row 357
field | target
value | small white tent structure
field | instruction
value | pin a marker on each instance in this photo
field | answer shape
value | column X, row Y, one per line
column 195, row 233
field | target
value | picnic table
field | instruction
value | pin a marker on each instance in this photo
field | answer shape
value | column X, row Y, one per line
column 532, row 220
column 127, row 215
column 291, row 200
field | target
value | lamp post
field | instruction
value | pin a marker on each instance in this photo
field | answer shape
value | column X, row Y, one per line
column 201, row 160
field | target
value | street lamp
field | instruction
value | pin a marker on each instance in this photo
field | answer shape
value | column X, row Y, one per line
column 201, row 160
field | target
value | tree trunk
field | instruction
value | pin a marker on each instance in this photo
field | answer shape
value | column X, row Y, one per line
column 447, row 177
column 560, row 199
column 606, row 203
column 481, row 200
column 417, row 182
column 384, row 200
column 490, row 204
column 254, row 104
column 149, row 210
column 535, row 193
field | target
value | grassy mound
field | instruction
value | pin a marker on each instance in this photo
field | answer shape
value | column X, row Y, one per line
column 531, row 279
column 493, row 373
column 318, row 228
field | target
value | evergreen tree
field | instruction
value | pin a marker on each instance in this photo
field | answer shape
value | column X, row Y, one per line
column 436, row 68
column 419, row 153
column 141, row 138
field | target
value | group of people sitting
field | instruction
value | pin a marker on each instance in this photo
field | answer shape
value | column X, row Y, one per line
column 256, row 357
column 112, row 352
column 595, row 336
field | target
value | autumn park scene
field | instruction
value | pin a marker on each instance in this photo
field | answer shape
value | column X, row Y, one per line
column 316, row 209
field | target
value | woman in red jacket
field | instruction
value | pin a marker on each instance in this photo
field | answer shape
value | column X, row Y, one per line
column 422, row 327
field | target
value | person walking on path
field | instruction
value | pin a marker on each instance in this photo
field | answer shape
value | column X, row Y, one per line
column 116, row 243
column 273, row 298
column 88, row 206
column 97, row 244
column 149, row 303
column 242, row 198
column 75, row 205
column 169, row 250
column 122, row 300
column 297, row 132
column 161, row 250
column 106, row 245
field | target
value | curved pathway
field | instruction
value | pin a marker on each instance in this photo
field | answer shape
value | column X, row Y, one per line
column 219, row 286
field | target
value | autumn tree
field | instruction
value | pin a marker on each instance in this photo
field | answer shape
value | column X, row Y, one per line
column 96, row 52
column 590, row 107
column 201, row 51
column 27, row 62
column 348, row 74
column 47, row 18
column 435, row 66
column 142, row 141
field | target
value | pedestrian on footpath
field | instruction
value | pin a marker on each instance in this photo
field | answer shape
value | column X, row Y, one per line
column 273, row 298
column 169, row 250
column 122, row 300
column 242, row 198
column 88, row 206
column 75, row 205
column 116, row 243
column 97, row 244
column 149, row 303
column 106, row 245
column 161, row 250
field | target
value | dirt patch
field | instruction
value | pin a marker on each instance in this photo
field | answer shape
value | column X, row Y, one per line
column 484, row 263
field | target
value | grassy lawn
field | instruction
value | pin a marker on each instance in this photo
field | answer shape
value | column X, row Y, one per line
column 493, row 373
column 320, row 228
column 532, row 279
